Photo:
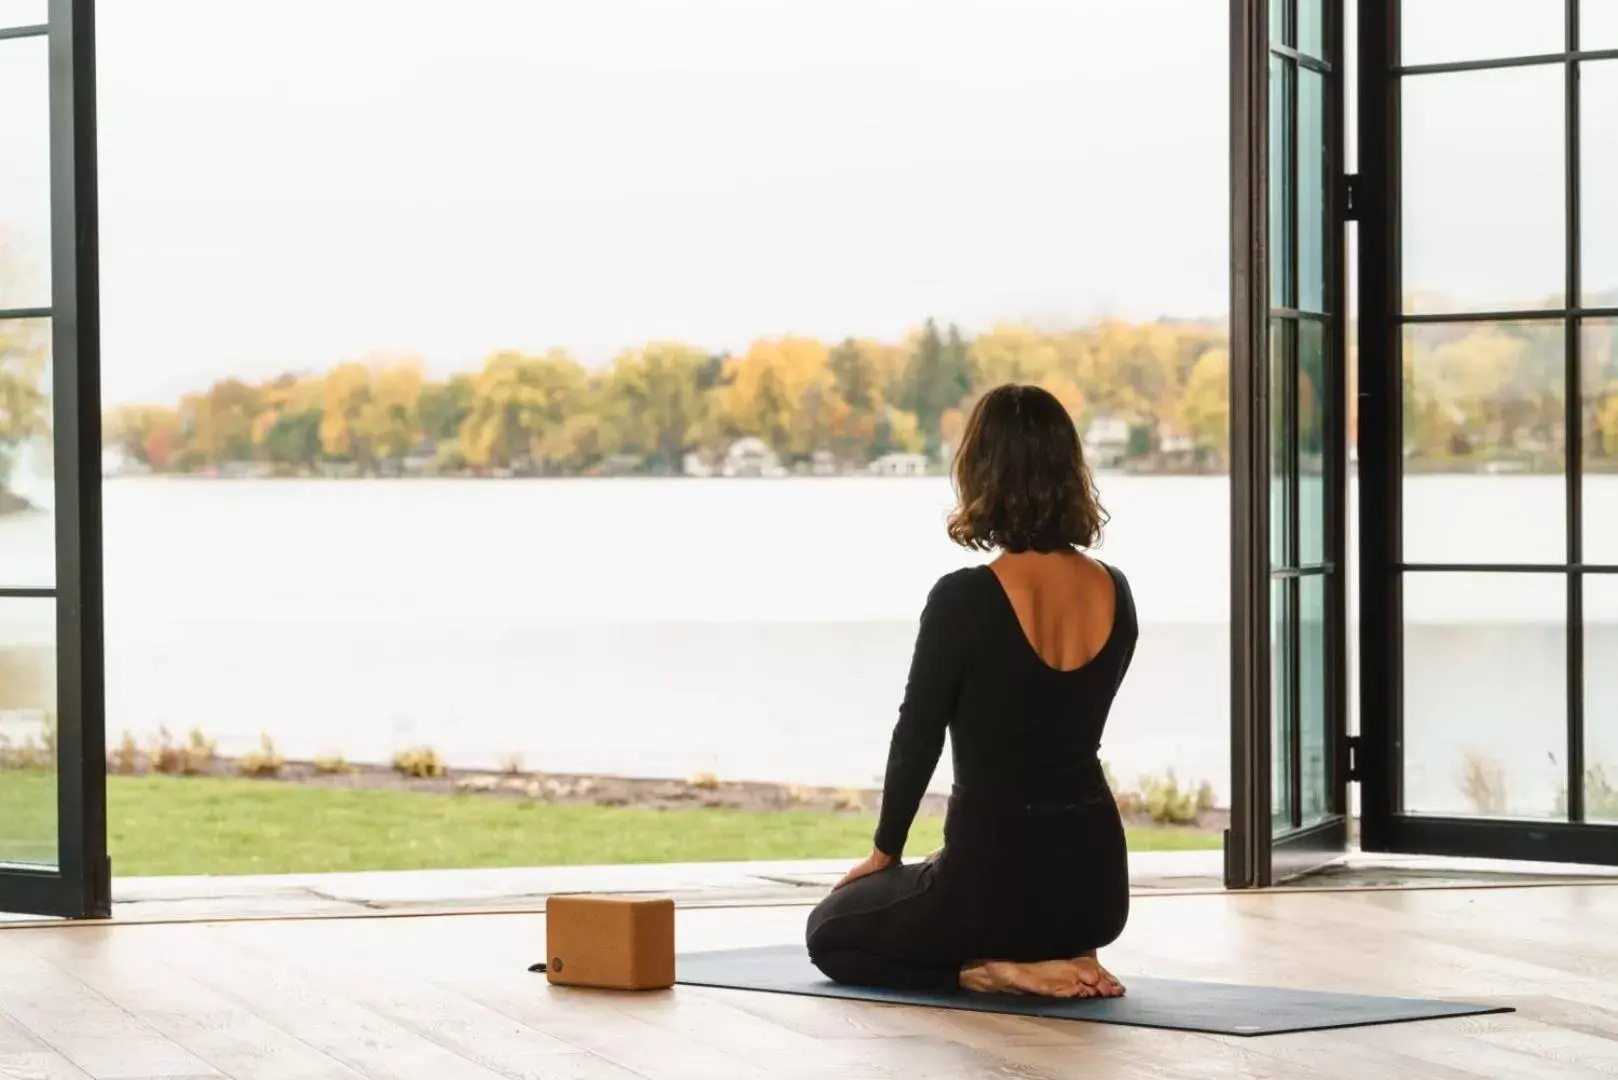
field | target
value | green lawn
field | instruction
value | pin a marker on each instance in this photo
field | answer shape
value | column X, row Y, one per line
column 162, row 825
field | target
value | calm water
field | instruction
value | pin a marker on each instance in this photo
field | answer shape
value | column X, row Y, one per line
column 756, row 629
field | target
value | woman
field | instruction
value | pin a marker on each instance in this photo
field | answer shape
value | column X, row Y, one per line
column 1019, row 661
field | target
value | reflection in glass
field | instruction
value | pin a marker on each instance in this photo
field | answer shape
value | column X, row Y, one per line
column 1484, row 443
column 1311, row 443
column 1280, row 184
column 1311, row 191
column 22, row 13
column 1312, row 28
column 1483, row 199
column 1599, row 370
column 1316, row 786
column 1452, row 31
column 25, row 182
column 27, row 487
column 1598, row 164
column 1485, row 681
column 1282, row 509
column 1283, row 661
column 1600, row 698
column 28, row 731
column 1598, row 24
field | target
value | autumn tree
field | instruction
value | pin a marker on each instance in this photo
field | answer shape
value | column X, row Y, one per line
column 25, row 412
column 655, row 399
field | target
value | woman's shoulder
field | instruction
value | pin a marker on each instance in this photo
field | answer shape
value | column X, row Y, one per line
column 959, row 588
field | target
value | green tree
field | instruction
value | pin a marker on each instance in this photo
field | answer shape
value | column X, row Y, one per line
column 445, row 407
column 655, row 398
column 937, row 376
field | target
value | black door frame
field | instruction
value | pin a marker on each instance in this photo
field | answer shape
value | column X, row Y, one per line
column 1256, row 854
column 80, row 885
column 1385, row 825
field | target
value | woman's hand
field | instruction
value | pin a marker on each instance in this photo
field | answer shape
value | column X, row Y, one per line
column 874, row 863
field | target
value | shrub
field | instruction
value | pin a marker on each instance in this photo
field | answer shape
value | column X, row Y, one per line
column 126, row 758
column 333, row 765
column 1166, row 802
column 419, row 762
column 848, row 799
column 263, row 763
column 704, row 781
column 1205, row 797
column 164, row 756
column 198, row 754
column 1483, row 782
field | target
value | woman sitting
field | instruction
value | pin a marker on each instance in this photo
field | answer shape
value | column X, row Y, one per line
column 1019, row 661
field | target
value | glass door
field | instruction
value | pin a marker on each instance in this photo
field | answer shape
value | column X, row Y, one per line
column 1288, row 395
column 52, row 732
column 1489, row 428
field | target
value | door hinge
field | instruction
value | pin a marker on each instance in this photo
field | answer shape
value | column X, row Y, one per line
column 1355, row 753
column 1351, row 197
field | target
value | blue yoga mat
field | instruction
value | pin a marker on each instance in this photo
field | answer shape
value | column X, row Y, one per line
column 1207, row 1007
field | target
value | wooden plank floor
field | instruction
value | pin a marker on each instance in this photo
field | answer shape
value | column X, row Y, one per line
column 448, row 998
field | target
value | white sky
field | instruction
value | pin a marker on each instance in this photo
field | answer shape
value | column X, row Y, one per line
column 293, row 183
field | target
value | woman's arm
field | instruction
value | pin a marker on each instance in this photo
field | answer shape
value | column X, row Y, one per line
column 929, row 700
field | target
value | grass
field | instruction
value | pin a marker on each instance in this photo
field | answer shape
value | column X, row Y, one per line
column 167, row 825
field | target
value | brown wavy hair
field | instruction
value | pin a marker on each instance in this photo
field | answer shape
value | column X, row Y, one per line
column 1021, row 482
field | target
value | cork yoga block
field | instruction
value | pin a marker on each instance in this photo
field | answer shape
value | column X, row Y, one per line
column 610, row 942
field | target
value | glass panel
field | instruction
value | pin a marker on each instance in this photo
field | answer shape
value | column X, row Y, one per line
column 1280, row 184
column 1485, row 674
column 1283, row 661
column 28, row 731
column 1280, row 22
column 1598, row 24
column 1598, row 162
column 1316, row 794
column 1311, row 443
column 1453, row 31
column 1282, row 509
column 25, row 180
column 1483, row 221
column 1484, row 443
column 1312, row 28
column 1600, row 698
column 22, row 13
column 1600, row 377
column 1311, row 190
column 27, row 491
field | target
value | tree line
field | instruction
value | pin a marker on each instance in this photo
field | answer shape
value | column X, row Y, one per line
column 648, row 410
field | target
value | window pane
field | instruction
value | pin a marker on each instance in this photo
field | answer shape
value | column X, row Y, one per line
column 1452, row 31
column 1311, row 443
column 1600, row 698
column 1485, row 674
column 1483, row 197
column 1598, row 24
column 27, row 731
column 22, row 13
column 1311, row 191
column 27, row 491
column 25, row 180
column 1598, row 161
column 1280, row 22
column 1280, row 184
column 1484, row 445
column 1600, row 377
column 1312, row 27
column 1283, row 670
column 1282, row 508
column 1316, row 790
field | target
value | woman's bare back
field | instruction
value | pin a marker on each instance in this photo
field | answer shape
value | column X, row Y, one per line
column 1065, row 603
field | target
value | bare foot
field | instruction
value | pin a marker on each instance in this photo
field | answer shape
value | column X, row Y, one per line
column 1080, row 977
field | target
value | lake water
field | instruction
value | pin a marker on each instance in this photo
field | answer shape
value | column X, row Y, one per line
column 756, row 629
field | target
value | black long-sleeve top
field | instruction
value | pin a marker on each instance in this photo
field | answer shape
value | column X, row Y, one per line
column 1022, row 733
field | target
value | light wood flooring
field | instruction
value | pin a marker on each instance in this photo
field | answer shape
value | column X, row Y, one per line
column 448, row 998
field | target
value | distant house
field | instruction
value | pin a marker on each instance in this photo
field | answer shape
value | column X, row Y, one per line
column 751, row 457
column 695, row 464
column 823, row 463
column 1106, row 442
column 900, row 464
